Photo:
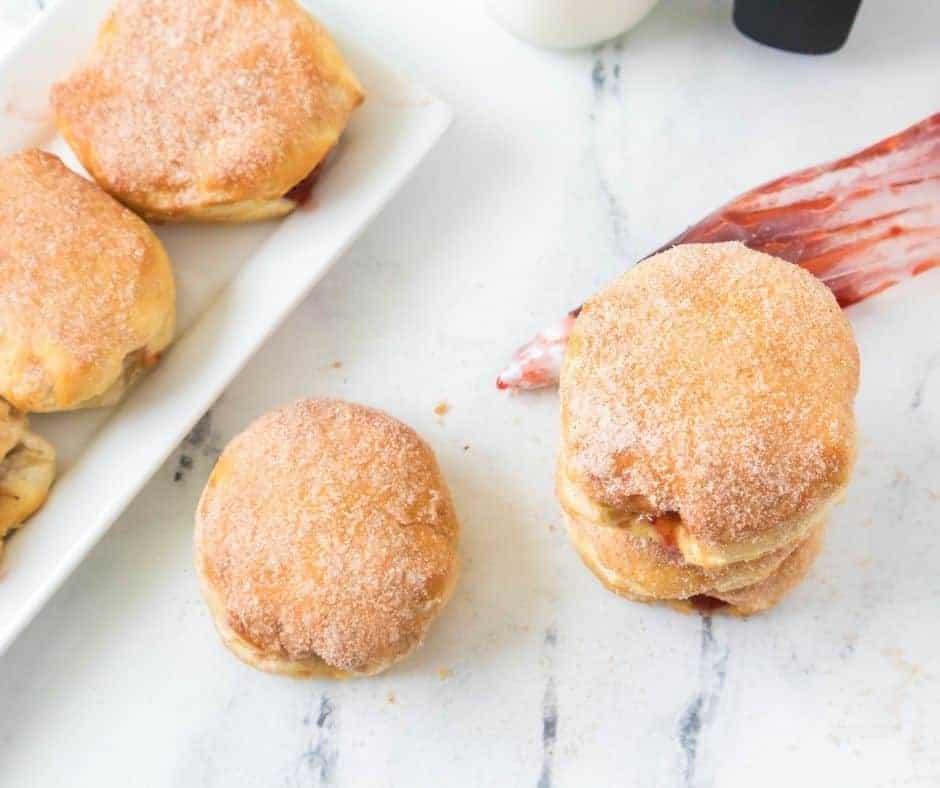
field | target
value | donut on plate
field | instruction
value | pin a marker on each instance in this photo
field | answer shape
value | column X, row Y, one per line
column 27, row 468
column 210, row 110
column 87, row 298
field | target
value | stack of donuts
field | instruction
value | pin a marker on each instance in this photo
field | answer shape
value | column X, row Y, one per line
column 707, row 427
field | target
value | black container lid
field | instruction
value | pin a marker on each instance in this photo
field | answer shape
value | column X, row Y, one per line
column 813, row 27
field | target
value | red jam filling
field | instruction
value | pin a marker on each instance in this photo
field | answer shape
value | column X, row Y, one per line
column 300, row 192
column 706, row 604
column 666, row 527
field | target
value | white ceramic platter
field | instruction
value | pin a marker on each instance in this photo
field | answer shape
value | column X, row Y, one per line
column 235, row 285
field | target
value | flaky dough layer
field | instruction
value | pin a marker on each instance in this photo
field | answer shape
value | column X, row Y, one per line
column 644, row 571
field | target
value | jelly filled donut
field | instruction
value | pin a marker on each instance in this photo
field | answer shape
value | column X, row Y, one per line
column 211, row 110
column 87, row 299
column 326, row 541
column 707, row 421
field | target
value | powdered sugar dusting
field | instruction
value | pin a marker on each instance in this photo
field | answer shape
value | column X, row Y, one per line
column 188, row 101
column 718, row 383
column 327, row 530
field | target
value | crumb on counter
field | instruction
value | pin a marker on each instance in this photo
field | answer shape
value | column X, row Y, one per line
column 444, row 673
column 442, row 408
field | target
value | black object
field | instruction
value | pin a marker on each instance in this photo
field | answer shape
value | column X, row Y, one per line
column 813, row 27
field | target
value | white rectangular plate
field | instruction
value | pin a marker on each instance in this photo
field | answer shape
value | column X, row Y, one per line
column 235, row 285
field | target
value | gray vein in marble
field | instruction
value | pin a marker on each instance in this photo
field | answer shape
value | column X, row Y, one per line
column 549, row 713
column 203, row 441
column 933, row 365
column 606, row 81
column 185, row 464
column 321, row 755
column 599, row 74
column 551, row 637
column 607, row 66
column 200, row 434
column 701, row 710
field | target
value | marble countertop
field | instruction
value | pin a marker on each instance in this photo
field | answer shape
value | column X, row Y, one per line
column 561, row 169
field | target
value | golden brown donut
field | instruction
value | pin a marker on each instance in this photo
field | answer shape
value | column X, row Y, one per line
column 27, row 468
column 713, row 384
column 86, row 291
column 768, row 592
column 640, row 567
column 326, row 541
column 210, row 110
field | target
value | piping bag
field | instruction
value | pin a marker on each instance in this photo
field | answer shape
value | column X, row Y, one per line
column 860, row 224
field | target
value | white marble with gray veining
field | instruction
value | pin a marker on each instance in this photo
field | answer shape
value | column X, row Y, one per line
column 560, row 170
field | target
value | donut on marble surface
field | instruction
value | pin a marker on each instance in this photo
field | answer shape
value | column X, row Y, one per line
column 707, row 408
column 326, row 541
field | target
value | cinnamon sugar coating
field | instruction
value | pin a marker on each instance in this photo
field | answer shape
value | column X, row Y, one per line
column 206, row 109
column 326, row 534
column 717, row 383
column 86, row 290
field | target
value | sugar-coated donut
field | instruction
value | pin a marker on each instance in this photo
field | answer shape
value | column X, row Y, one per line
column 210, row 110
column 715, row 385
column 87, row 299
column 707, row 427
column 326, row 541
column 27, row 468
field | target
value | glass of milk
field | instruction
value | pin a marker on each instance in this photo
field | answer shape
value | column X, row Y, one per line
column 567, row 24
